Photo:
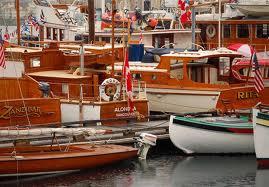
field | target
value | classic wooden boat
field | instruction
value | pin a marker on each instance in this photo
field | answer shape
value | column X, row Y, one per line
column 88, row 95
column 261, row 130
column 37, row 160
column 25, row 159
column 195, row 81
column 241, row 66
column 24, row 101
column 211, row 134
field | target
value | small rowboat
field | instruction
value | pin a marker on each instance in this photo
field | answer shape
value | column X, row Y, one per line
column 212, row 134
column 38, row 160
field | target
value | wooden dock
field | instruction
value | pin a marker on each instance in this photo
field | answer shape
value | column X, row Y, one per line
column 118, row 134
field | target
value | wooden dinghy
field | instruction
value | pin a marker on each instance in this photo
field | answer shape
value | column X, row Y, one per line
column 261, row 138
column 212, row 134
column 37, row 160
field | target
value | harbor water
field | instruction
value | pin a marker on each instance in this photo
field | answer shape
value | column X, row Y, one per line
column 161, row 169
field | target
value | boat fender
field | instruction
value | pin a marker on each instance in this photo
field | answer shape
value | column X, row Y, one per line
column 210, row 31
column 110, row 89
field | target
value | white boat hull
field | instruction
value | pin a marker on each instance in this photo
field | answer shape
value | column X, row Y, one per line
column 253, row 10
column 261, row 139
column 196, row 140
column 181, row 101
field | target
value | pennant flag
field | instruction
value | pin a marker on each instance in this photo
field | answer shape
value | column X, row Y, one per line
column 128, row 81
column 2, row 57
column 258, row 81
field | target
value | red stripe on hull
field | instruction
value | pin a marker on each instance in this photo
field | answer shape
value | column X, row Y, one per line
column 263, row 163
column 241, row 131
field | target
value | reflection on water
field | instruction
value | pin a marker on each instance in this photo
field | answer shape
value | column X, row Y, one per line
column 166, row 170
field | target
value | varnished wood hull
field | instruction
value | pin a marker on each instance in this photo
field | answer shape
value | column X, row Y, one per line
column 79, row 157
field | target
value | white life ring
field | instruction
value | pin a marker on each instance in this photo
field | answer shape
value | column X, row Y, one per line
column 210, row 31
column 110, row 87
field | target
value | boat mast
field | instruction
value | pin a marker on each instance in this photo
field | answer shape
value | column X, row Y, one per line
column 219, row 25
column 91, row 21
column 113, row 9
column 18, row 21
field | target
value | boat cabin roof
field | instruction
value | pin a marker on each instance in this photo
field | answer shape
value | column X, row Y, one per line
column 222, row 52
column 57, row 74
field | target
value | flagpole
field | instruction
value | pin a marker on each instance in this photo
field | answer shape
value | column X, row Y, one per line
column 219, row 25
column 18, row 21
column 113, row 9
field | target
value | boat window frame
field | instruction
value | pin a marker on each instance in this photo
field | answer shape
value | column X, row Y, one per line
column 34, row 63
column 224, row 30
column 242, row 31
column 262, row 26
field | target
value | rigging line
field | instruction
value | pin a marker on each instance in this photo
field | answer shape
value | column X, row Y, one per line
column 19, row 85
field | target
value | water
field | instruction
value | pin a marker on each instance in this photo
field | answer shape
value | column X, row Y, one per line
column 162, row 170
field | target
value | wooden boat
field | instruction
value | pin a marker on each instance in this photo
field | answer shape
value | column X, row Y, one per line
column 236, row 23
column 37, row 160
column 92, row 96
column 195, row 81
column 261, row 130
column 24, row 159
column 211, row 134
column 241, row 66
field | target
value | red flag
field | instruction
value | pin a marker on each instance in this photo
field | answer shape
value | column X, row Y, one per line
column 2, row 57
column 128, row 81
column 258, row 81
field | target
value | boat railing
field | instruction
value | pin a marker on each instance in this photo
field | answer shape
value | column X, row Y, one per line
column 93, row 93
column 258, row 47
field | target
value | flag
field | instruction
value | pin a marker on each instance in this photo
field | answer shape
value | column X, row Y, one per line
column 2, row 57
column 42, row 17
column 6, row 35
column 128, row 81
column 258, row 81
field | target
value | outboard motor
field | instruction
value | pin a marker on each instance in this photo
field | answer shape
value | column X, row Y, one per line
column 144, row 142
column 44, row 87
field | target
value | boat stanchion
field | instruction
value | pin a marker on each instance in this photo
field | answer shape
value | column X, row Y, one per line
column 144, row 142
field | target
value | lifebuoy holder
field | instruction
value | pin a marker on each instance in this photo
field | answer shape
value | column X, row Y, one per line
column 110, row 88
column 210, row 31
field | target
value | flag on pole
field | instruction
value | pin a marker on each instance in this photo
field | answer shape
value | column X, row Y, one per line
column 2, row 57
column 258, row 81
column 6, row 35
column 42, row 17
column 128, row 81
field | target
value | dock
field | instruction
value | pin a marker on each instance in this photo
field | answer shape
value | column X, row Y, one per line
column 117, row 134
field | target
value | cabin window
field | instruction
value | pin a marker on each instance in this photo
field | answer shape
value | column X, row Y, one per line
column 61, row 34
column 55, row 34
column 35, row 62
column 242, row 31
column 262, row 31
column 176, row 69
column 226, row 31
column 48, row 30
column 137, row 76
column 65, row 89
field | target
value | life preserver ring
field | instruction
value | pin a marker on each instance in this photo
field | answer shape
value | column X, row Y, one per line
column 210, row 31
column 110, row 88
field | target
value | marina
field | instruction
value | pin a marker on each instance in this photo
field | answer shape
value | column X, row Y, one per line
column 134, row 93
